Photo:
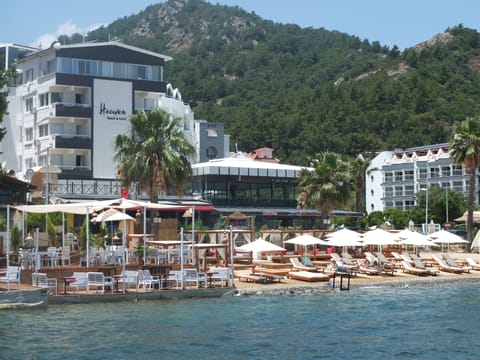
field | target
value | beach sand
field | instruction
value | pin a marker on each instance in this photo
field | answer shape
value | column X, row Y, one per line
column 400, row 278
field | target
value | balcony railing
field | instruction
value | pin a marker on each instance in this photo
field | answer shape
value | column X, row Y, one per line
column 71, row 141
column 74, row 172
column 73, row 110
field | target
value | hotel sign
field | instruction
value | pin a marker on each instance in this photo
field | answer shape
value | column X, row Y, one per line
column 112, row 113
column 112, row 108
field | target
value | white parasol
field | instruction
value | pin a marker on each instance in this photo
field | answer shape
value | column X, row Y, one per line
column 344, row 237
column 380, row 237
column 414, row 238
column 306, row 240
column 260, row 246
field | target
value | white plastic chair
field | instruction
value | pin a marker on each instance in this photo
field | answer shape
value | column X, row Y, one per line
column 147, row 281
column 42, row 280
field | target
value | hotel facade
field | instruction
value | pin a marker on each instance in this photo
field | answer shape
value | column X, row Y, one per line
column 394, row 178
column 70, row 102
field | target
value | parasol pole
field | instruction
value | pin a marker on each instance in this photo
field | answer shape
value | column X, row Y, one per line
column 8, row 236
column 124, row 250
column 37, row 255
column 181, row 259
column 231, row 255
column 87, row 235
column 144, row 234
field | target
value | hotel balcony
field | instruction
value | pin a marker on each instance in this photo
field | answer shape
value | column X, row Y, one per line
column 75, row 172
column 71, row 141
column 73, row 110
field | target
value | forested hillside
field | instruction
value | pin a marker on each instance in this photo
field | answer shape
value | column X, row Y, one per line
column 302, row 91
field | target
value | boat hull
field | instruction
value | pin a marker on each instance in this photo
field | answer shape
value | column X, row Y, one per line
column 139, row 296
column 24, row 298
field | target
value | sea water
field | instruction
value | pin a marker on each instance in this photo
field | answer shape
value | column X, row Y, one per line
column 433, row 321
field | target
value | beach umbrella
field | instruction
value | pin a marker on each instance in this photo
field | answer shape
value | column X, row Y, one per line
column 260, row 246
column 445, row 237
column 344, row 237
column 414, row 238
column 380, row 237
column 306, row 240
column 476, row 242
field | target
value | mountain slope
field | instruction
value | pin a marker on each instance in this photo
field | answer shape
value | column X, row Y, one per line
column 303, row 90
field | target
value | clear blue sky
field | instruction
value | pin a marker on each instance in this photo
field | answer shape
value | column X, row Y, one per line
column 402, row 23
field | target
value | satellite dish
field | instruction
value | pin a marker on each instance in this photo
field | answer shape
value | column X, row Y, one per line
column 29, row 174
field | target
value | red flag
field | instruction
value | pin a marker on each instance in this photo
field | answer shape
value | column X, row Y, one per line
column 124, row 193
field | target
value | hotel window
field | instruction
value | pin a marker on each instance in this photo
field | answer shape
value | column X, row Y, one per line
column 409, row 204
column 409, row 190
column 445, row 171
column 105, row 68
column 457, row 170
column 141, row 72
column 42, row 160
column 398, row 191
column 156, row 73
column 422, row 173
column 29, row 134
column 388, row 177
column 434, row 172
column 148, row 104
column 408, row 175
column 65, row 65
column 51, row 66
column 43, row 130
column 398, row 176
column 43, row 99
column 388, row 192
column 458, row 186
column 119, row 70
column 29, row 75
column 29, row 163
column 29, row 104
column 445, row 185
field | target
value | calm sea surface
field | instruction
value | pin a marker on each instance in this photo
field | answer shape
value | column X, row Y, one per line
column 382, row 322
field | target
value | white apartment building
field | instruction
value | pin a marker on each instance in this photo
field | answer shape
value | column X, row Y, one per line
column 71, row 101
column 395, row 177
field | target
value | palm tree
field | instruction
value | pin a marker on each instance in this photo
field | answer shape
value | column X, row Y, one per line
column 155, row 155
column 465, row 149
column 325, row 186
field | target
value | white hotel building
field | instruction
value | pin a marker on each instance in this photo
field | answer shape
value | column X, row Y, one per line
column 395, row 177
column 71, row 101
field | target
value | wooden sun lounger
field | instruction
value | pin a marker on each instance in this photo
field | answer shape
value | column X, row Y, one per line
column 308, row 276
column 252, row 278
column 408, row 268
column 444, row 267
column 472, row 263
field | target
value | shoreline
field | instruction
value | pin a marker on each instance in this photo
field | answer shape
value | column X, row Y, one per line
column 400, row 279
